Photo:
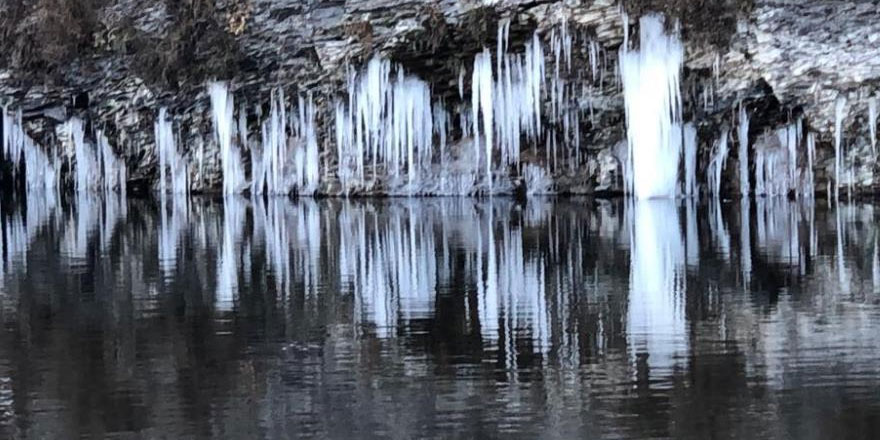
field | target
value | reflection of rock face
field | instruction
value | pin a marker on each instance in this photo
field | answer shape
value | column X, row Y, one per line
column 126, row 62
column 656, row 319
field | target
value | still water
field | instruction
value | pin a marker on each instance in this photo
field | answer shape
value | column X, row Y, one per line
column 438, row 318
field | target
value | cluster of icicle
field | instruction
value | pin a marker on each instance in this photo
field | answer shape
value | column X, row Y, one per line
column 393, row 136
column 391, row 128
column 390, row 122
column 652, row 99
column 42, row 171
column 283, row 162
column 97, row 168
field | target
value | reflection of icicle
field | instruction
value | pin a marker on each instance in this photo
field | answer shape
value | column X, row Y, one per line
column 693, row 240
column 745, row 237
column 777, row 236
column 875, row 265
column 115, row 210
column 80, row 228
column 842, row 275
column 171, row 230
column 227, row 268
column 271, row 217
column 719, row 229
column 656, row 316
column 14, row 243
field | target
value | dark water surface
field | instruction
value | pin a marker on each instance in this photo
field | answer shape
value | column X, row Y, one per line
column 439, row 318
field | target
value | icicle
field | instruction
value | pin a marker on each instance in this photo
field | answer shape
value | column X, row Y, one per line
column 690, row 159
column 114, row 171
column 718, row 163
column 872, row 123
column 791, row 147
column 270, row 169
column 653, row 106
column 481, row 101
column 461, row 73
column 716, row 68
column 839, row 114
column 170, row 160
column 811, row 158
column 743, row 152
column 306, row 159
column 11, row 146
column 393, row 125
column 87, row 166
column 594, row 60
column 222, row 111
column 42, row 170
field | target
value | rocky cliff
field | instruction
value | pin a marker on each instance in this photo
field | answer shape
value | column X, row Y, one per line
column 115, row 63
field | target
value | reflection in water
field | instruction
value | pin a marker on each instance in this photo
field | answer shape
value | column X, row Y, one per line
column 655, row 320
column 264, row 317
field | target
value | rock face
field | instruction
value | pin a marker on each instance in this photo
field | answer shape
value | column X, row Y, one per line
column 115, row 63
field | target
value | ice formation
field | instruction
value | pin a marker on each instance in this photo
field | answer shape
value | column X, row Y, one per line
column 387, row 123
column 839, row 114
column 718, row 163
column 42, row 170
column 872, row 122
column 656, row 315
column 97, row 167
column 482, row 108
column 653, row 108
column 113, row 171
column 810, row 187
column 690, row 160
column 84, row 157
column 230, row 155
column 172, row 164
column 743, row 151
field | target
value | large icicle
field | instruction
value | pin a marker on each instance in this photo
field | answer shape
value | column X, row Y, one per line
column 230, row 156
column 306, row 160
column 87, row 177
column 114, row 172
column 653, row 107
column 839, row 114
column 872, row 122
column 810, row 188
column 718, row 163
column 42, row 171
column 171, row 164
column 690, row 159
column 743, row 151
column 270, row 172
column 481, row 102
column 390, row 123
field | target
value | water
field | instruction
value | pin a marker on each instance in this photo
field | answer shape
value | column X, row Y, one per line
column 400, row 318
